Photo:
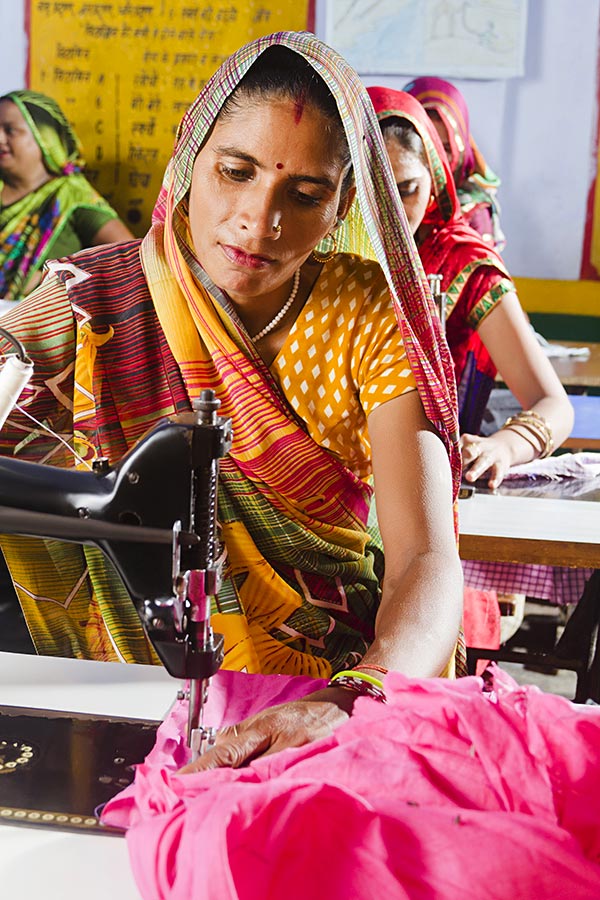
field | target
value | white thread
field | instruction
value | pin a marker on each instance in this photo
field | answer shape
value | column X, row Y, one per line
column 61, row 440
column 13, row 377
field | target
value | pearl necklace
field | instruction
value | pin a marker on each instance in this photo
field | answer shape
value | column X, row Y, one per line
column 286, row 306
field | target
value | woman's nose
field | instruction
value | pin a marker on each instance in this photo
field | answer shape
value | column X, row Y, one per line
column 261, row 215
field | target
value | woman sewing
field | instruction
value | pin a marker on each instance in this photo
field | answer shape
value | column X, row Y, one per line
column 332, row 368
column 486, row 329
column 47, row 207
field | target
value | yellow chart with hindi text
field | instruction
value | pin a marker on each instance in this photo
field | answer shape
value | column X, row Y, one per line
column 124, row 74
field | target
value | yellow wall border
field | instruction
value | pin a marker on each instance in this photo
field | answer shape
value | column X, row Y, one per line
column 573, row 298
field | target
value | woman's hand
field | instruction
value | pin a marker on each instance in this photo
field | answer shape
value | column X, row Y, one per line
column 491, row 456
column 287, row 725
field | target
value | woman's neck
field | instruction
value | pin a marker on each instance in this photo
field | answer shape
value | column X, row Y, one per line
column 15, row 188
column 270, row 346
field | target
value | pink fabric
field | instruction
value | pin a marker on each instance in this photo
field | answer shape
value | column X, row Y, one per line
column 445, row 792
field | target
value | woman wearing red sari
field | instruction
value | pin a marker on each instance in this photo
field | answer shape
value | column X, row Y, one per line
column 485, row 326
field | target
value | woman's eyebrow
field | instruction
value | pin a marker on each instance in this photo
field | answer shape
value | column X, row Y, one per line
column 239, row 154
column 235, row 152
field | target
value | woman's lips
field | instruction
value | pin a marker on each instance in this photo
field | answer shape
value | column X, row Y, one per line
column 241, row 258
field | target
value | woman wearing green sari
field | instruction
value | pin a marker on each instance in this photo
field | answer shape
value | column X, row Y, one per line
column 47, row 207
column 330, row 364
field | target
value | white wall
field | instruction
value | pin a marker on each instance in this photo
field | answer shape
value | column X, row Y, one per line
column 13, row 58
column 537, row 132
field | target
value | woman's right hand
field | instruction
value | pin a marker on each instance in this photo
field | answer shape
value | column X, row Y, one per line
column 491, row 456
column 290, row 724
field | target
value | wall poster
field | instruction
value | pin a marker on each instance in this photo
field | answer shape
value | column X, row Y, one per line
column 450, row 38
column 124, row 74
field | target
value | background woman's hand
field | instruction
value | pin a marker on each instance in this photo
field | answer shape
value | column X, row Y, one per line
column 287, row 725
column 486, row 456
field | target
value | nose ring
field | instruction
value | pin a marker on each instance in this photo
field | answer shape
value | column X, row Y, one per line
column 277, row 230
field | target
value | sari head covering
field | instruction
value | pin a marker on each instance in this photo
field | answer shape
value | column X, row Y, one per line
column 297, row 515
column 447, row 101
column 30, row 226
column 453, row 249
column 60, row 146
column 475, row 181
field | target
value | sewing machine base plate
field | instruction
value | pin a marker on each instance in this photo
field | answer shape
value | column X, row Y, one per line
column 58, row 769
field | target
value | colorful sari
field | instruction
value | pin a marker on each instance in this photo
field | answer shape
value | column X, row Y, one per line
column 474, row 277
column 304, row 564
column 32, row 228
column 476, row 183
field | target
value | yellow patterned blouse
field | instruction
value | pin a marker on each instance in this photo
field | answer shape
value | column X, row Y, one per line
column 350, row 305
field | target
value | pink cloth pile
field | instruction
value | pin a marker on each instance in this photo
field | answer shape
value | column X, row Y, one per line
column 446, row 792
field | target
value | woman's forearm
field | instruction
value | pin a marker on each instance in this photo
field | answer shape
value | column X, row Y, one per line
column 419, row 617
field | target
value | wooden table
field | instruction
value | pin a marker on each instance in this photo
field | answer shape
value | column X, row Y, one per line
column 549, row 530
column 521, row 529
column 62, row 865
column 578, row 371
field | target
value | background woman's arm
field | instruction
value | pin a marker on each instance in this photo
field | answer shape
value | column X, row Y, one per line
column 528, row 373
column 113, row 231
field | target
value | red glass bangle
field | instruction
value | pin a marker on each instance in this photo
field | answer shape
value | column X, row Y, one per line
column 375, row 668
column 358, row 686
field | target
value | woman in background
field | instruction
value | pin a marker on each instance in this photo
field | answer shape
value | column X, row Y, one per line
column 476, row 184
column 48, row 209
column 486, row 328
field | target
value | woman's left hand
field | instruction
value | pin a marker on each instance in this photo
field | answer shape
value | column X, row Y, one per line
column 287, row 725
column 491, row 456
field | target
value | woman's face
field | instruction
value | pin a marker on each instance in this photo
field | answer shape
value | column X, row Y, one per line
column 413, row 181
column 441, row 130
column 267, row 164
column 20, row 155
column 455, row 159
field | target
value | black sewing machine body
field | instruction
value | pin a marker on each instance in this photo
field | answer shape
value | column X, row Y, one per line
column 154, row 517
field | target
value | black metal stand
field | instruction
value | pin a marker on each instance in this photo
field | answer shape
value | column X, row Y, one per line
column 577, row 650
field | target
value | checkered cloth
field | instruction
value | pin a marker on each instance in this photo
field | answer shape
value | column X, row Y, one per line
column 557, row 584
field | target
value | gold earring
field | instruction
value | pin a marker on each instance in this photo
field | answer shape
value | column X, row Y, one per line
column 329, row 254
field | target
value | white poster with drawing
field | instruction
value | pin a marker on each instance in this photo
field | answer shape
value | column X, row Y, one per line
column 451, row 38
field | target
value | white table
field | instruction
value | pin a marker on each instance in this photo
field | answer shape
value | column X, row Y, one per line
column 549, row 531
column 60, row 865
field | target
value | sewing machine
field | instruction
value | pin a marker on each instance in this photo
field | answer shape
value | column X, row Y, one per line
column 154, row 516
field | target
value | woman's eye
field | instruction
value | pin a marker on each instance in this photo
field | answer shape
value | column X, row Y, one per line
column 407, row 188
column 306, row 199
column 235, row 174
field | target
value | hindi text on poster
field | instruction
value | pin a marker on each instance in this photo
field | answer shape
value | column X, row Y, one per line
column 124, row 74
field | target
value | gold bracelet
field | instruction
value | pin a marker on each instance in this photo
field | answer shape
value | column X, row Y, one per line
column 520, row 428
column 536, row 425
column 530, row 415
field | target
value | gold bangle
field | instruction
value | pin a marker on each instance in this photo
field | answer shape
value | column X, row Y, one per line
column 535, row 446
column 533, row 422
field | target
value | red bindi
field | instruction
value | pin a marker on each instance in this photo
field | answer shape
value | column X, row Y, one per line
column 279, row 165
